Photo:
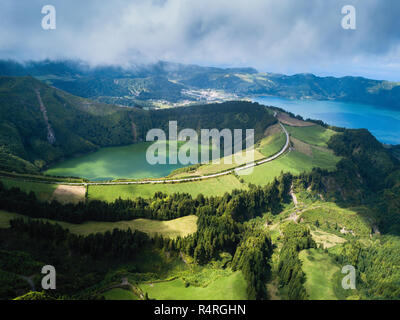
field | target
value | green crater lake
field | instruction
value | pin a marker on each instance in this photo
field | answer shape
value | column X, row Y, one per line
column 111, row 163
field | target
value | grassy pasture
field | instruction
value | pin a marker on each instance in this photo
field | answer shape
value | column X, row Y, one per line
column 294, row 162
column 173, row 228
column 48, row 191
column 320, row 270
column 329, row 214
column 272, row 144
column 328, row 240
column 314, row 135
column 324, row 158
column 119, row 294
column 165, row 275
column 43, row 191
column 208, row 187
column 287, row 119
column 225, row 164
column 232, row 287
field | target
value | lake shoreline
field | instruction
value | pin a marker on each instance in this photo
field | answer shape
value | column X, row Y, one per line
column 384, row 124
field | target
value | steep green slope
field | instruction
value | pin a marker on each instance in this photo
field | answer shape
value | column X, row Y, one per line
column 314, row 135
column 320, row 270
column 40, row 124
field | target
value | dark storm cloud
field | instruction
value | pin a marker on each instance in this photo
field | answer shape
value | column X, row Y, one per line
column 272, row 35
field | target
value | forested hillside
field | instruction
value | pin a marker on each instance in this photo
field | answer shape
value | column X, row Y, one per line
column 78, row 125
column 40, row 124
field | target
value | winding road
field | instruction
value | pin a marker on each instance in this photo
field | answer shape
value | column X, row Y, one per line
column 224, row 173
column 248, row 166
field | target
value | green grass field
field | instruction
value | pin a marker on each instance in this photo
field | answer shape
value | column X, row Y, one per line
column 43, row 191
column 272, row 144
column 294, row 162
column 119, row 294
column 328, row 240
column 314, row 135
column 320, row 270
column 267, row 147
column 173, row 228
column 224, row 164
column 329, row 214
column 208, row 187
column 232, row 287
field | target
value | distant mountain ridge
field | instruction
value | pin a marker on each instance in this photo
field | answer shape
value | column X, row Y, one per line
column 171, row 81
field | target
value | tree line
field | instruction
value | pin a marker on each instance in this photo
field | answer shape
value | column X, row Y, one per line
column 296, row 237
column 239, row 205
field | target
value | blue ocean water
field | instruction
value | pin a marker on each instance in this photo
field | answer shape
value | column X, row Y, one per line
column 383, row 123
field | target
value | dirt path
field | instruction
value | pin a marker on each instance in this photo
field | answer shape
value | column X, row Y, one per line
column 30, row 281
column 294, row 197
column 183, row 258
column 69, row 194
column 375, row 229
column 273, row 291
column 295, row 215
column 51, row 138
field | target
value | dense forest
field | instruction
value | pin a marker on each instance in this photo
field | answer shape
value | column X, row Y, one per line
column 80, row 262
column 296, row 237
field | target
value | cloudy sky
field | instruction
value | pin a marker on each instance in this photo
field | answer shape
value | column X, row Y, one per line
column 285, row 36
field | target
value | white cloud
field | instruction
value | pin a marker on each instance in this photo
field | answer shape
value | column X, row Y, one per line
column 279, row 36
